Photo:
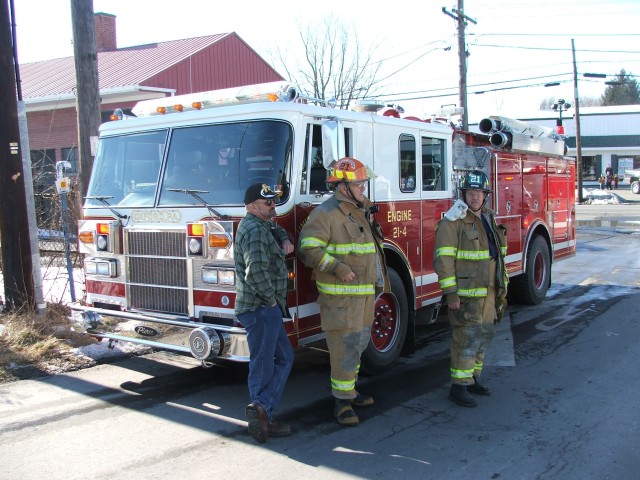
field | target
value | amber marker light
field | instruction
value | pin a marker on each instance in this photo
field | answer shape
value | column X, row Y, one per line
column 291, row 275
column 197, row 105
column 272, row 97
column 86, row 237
column 218, row 240
column 161, row 110
column 178, row 107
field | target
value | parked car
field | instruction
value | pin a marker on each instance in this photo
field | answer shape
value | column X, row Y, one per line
column 633, row 177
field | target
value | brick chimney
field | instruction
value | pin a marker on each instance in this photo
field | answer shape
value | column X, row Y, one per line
column 105, row 32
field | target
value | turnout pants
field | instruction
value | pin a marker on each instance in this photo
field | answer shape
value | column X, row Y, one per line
column 348, row 331
column 472, row 328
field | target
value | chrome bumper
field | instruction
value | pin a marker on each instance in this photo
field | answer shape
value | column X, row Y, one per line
column 203, row 341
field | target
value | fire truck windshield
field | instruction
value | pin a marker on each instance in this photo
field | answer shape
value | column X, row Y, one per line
column 218, row 161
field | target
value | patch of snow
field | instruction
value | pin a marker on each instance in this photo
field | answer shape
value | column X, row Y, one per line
column 596, row 196
column 98, row 351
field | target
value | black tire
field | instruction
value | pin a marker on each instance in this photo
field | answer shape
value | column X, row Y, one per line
column 531, row 287
column 635, row 187
column 389, row 328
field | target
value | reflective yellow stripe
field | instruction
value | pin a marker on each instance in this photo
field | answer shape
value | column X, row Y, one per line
column 446, row 252
column 338, row 248
column 311, row 242
column 473, row 255
column 348, row 248
column 504, row 251
column 333, row 289
column 473, row 292
column 343, row 385
column 447, row 282
column 325, row 262
column 455, row 373
column 347, row 175
column 478, row 366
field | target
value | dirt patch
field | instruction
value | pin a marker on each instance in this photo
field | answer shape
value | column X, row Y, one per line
column 35, row 345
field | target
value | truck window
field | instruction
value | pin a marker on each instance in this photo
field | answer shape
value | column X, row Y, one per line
column 126, row 169
column 317, row 173
column 221, row 161
column 407, row 156
column 433, row 156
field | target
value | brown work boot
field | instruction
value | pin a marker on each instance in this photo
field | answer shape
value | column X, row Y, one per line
column 478, row 388
column 258, row 422
column 362, row 400
column 344, row 413
column 459, row 395
column 277, row 429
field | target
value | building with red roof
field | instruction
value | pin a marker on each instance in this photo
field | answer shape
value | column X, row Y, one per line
column 126, row 76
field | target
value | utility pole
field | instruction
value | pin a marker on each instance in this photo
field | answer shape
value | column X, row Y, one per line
column 576, row 99
column 17, row 262
column 462, row 19
column 87, row 90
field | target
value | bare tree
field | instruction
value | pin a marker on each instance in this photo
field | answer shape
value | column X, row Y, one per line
column 547, row 102
column 335, row 64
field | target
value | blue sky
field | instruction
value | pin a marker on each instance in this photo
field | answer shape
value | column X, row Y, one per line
column 518, row 42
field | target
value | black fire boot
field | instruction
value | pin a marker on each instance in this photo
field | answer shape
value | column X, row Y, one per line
column 459, row 395
column 478, row 388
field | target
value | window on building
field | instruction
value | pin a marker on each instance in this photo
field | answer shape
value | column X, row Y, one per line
column 71, row 156
column 591, row 168
column 43, row 167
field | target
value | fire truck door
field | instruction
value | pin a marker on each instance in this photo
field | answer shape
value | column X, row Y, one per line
column 558, row 204
column 436, row 198
column 507, row 198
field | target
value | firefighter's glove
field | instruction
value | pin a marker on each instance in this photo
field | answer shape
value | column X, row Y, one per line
column 453, row 299
column 501, row 304
column 457, row 210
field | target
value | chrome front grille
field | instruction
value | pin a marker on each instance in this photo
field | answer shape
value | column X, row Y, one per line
column 157, row 271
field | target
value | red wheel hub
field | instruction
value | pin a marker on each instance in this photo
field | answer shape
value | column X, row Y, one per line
column 384, row 330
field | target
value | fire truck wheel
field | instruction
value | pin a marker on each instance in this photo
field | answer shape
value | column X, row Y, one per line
column 389, row 328
column 635, row 187
column 531, row 287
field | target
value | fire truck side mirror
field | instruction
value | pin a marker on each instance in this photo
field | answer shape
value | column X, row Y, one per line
column 332, row 139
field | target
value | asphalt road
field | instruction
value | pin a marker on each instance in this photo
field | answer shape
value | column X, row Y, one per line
column 563, row 405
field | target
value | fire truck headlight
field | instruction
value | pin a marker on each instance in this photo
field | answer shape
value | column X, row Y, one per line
column 195, row 246
column 227, row 277
column 103, row 267
column 210, row 275
column 107, row 268
column 90, row 267
column 102, row 243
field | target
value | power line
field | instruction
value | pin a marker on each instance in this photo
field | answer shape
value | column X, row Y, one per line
column 560, row 49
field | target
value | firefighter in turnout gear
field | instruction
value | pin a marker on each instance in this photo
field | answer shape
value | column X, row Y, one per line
column 469, row 261
column 343, row 246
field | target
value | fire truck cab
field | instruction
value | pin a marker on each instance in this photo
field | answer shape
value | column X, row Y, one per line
column 165, row 200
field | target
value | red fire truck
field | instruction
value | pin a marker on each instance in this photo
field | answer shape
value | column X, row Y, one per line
column 165, row 199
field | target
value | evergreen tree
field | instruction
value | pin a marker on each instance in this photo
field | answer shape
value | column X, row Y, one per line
column 624, row 92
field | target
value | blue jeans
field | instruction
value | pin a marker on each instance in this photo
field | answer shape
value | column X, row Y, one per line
column 271, row 355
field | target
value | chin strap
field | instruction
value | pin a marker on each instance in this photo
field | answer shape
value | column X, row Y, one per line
column 352, row 196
